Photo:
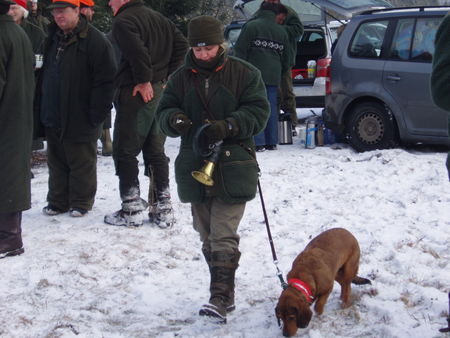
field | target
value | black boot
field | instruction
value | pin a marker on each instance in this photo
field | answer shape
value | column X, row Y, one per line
column 222, row 268
column 10, row 234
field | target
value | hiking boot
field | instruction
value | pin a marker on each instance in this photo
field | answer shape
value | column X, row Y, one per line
column 51, row 210
column 125, row 218
column 229, row 302
column 216, row 309
column 77, row 212
column 13, row 252
column 271, row 147
column 222, row 268
column 260, row 149
column 161, row 212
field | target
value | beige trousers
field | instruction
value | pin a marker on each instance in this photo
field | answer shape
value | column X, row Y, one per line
column 217, row 222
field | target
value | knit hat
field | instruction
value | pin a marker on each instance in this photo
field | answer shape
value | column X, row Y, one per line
column 22, row 3
column 64, row 4
column 87, row 3
column 205, row 31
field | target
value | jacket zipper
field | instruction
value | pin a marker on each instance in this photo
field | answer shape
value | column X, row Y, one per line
column 206, row 86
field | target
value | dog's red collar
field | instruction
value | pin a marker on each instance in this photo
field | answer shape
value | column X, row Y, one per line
column 301, row 286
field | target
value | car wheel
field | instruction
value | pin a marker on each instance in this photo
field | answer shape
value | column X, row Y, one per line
column 370, row 126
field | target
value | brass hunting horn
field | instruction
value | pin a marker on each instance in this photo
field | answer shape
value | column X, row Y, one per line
column 211, row 153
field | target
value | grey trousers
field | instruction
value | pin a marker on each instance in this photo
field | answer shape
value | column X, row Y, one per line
column 217, row 222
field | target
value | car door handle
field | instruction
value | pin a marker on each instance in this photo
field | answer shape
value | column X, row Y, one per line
column 394, row 78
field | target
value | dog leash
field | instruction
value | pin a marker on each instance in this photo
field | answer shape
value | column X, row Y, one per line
column 284, row 285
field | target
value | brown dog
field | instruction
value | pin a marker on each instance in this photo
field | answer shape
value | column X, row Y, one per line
column 331, row 256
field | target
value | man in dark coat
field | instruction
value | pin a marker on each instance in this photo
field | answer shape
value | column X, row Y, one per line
column 36, row 17
column 16, row 116
column 74, row 95
column 440, row 76
column 151, row 48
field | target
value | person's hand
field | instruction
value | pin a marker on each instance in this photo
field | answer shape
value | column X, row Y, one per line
column 145, row 89
column 218, row 130
column 180, row 122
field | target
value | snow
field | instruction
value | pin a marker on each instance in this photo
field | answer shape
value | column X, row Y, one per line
column 82, row 278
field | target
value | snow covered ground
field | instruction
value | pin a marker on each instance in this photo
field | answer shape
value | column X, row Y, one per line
column 83, row 278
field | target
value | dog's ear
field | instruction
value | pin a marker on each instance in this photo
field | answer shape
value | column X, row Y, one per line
column 278, row 316
column 304, row 315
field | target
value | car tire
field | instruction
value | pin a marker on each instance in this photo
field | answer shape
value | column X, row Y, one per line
column 370, row 126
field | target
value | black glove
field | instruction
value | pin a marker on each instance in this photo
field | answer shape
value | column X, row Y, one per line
column 180, row 122
column 218, row 130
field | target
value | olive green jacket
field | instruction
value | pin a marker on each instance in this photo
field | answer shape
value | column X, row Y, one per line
column 263, row 43
column 16, row 116
column 234, row 90
column 294, row 29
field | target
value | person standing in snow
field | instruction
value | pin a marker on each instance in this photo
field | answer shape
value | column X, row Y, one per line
column 263, row 43
column 440, row 75
column 294, row 28
column 151, row 48
column 228, row 95
column 16, row 124
column 74, row 95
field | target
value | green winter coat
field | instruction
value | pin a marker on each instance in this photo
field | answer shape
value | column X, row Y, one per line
column 87, row 69
column 440, row 75
column 263, row 43
column 294, row 29
column 234, row 90
column 152, row 47
column 16, row 116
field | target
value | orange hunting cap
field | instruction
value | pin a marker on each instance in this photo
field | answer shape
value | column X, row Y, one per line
column 64, row 4
column 87, row 3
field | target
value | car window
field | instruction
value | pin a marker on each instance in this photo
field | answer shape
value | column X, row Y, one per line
column 423, row 42
column 368, row 39
column 233, row 35
column 401, row 45
column 315, row 36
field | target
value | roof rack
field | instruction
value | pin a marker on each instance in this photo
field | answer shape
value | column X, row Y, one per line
column 391, row 9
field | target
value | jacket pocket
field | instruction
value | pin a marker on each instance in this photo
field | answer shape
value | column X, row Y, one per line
column 189, row 190
column 238, row 174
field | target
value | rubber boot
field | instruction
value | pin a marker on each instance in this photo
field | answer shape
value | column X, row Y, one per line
column 10, row 234
column 222, row 268
column 107, row 149
column 230, row 303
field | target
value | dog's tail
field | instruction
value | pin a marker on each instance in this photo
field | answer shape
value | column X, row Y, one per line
column 360, row 280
